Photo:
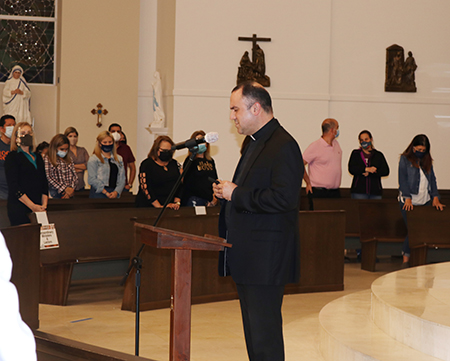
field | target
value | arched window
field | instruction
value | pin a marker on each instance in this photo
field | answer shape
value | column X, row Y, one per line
column 27, row 38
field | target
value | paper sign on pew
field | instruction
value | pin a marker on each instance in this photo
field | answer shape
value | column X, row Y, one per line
column 49, row 239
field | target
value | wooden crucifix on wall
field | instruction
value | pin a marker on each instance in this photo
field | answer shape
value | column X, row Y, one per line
column 100, row 112
column 254, row 69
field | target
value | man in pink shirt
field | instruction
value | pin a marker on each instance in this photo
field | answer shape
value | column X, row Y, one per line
column 324, row 158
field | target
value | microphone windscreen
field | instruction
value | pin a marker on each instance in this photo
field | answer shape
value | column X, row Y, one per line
column 211, row 137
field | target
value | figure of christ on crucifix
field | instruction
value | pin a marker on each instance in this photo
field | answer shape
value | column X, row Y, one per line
column 254, row 69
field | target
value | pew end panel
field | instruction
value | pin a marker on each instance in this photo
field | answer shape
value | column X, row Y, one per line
column 427, row 229
column 350, row 206
column 322, row 238
column 380, row 221
column 23, row 243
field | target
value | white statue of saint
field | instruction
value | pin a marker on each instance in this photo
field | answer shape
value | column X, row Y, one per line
column 159, row 117
column 16, row 96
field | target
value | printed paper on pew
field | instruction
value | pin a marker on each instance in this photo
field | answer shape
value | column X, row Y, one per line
column 49, row 239
column 41, row 218
column 200, row 210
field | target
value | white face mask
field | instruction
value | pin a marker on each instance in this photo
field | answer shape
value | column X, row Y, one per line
column 116, row 136
column 9, row 130
column 61, row 153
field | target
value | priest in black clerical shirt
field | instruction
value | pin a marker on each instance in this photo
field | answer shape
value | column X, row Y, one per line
column 259, row 217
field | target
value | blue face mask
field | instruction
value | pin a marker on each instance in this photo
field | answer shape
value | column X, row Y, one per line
column 107, row 148
column 419, row 155
column 61, row 153
column 201, row 148
column 366, row 145
column 337, row 133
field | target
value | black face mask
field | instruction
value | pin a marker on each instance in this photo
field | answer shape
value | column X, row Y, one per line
column 26, row 140
column 419, row 154
column 165, row 156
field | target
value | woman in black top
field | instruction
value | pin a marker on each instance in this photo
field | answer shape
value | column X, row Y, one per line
column 25, row 174
column 157, row 176
column 367, row 165
column 197, row 186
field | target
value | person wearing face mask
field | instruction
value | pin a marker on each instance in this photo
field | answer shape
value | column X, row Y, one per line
column 7, row 123
column 367, row 165
column 79, row 156
column 197, row 187
column 106, row 174
column 417, row 182
column 129, row 162
column 59, row 168
column 157, row 176
column 25, row 174
column 16, row 96
column 324, row 158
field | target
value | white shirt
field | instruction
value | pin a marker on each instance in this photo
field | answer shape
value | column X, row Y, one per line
column 423, row 196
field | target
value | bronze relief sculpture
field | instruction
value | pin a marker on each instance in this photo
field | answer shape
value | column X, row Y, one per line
column 400, row 73
column 255, row 68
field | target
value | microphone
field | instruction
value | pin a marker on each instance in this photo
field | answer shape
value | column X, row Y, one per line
column 210, row 137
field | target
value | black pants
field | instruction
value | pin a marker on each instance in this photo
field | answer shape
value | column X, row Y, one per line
column 322, row 193
column 263, row 322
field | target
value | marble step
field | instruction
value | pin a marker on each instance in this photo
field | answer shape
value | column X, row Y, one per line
column 413, row 307
column 348, row 334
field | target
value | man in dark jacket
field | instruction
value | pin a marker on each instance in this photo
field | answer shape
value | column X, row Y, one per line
column 259, row 217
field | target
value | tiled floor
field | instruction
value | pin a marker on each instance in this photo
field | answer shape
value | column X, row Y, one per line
column 93, row 316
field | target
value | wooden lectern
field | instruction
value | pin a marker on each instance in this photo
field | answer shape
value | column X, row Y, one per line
column 180, row 311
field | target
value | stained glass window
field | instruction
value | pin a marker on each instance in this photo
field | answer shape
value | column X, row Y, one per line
column 27, row 38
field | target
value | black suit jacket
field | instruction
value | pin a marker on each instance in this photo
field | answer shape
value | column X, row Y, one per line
column 263, row 218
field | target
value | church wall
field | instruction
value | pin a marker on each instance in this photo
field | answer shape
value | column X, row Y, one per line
column 99, row 64
column 147, row 67
column 207, row 55
column 326, row 58
column 357, row 94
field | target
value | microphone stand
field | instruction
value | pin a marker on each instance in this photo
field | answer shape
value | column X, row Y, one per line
column 136, row 261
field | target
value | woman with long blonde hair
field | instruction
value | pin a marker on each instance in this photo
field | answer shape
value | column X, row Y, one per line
column 25, row 175
column 106, row 174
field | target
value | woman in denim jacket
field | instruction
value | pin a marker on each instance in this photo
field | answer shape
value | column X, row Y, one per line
column 106, row 174
column 417, row 182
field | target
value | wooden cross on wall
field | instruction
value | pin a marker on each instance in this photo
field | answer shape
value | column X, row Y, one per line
column 254, row 39
column 99, row 111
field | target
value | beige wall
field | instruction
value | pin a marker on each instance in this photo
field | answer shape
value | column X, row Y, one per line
column 99, row 64
column 326, row 59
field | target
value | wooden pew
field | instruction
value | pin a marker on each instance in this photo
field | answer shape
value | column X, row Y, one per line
column 321, row 261
column 54, row 348
column 380, row 221
column 23, row 243
column 86, row 235
column 107, row 234
column 351, row 208
column 427, row 228
column 88, row 203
